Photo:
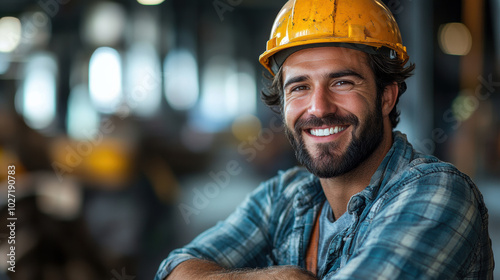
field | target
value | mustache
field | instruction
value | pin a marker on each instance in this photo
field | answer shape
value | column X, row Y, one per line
column 327, row 120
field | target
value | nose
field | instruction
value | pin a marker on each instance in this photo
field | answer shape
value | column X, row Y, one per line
column 321, row 102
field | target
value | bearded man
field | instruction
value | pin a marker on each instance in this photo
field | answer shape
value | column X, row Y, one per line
column 365, row 204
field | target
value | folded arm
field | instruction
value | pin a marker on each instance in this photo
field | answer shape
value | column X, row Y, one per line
column 200, row 269
column 243, row 240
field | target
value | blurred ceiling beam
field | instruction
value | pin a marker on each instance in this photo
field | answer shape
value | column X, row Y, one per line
column 466, row 148
column 472, row 64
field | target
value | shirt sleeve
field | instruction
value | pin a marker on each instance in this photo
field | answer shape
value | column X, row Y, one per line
column 242, row 240
column 430, row 227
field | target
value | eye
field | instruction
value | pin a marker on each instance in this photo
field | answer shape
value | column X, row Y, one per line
column 299, row 88
column 343, row 85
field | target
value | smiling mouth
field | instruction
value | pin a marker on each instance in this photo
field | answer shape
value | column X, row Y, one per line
column 322, row 132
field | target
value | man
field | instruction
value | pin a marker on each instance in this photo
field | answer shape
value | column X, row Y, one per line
column 368, row 206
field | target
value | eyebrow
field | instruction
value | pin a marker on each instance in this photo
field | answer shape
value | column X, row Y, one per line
column 346, row 73
column 332, row 75
column 293, row 80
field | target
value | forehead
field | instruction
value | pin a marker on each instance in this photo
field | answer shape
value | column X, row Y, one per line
column 328, row 58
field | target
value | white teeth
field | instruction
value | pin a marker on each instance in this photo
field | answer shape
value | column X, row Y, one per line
column 327, row 131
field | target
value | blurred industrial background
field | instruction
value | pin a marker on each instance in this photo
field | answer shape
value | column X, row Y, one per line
column 133, row 125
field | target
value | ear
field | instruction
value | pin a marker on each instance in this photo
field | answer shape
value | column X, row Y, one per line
column 389, row 98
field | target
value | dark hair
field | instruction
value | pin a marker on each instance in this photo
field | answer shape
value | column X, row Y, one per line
column 385, row 69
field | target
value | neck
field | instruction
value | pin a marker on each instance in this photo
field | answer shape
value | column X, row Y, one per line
column 340, row 189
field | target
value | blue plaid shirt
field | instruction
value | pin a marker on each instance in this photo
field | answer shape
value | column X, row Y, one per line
column 419, row 218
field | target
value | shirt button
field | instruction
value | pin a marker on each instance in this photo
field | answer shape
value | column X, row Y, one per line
column 355, row 204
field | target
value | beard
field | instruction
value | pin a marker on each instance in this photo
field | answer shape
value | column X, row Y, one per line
column 329, row 161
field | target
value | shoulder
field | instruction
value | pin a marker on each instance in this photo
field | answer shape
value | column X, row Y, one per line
column 435, row 187
column 436, row 202
column 411, row 179
column 407, row 164
column 408, row 170
column 428, row 171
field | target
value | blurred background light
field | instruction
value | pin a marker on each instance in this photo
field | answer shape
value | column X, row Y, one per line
column 150, row 2
column 464, row 105
column 82, row 119
column 105, row 79
column 109, row 163
column 62, row 200
column 36, row 100
column 181, row 79
column 218, row 98
column 143, row 80
column 10, row 33
column 36, row 30
column 228, row 91
column 455, row 39
column 243, row 83
column 245, row 127
column 104, row 24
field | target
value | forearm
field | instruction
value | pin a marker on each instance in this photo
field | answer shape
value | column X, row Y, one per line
column 201, row 269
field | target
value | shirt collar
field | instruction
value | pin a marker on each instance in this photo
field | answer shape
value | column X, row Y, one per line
column 309, row 194
column 397, row 158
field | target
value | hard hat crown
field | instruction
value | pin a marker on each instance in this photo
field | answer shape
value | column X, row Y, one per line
column 301, row 23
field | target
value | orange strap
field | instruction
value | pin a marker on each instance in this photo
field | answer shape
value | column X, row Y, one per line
column 312, row 248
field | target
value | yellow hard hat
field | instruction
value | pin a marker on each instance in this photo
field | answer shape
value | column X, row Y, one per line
column 366, row 25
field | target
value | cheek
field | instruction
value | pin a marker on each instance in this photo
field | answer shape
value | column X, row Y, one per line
column 292, row 110
column 353, row 106
column 359, row 105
